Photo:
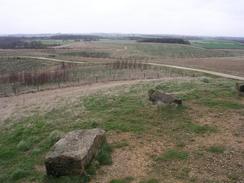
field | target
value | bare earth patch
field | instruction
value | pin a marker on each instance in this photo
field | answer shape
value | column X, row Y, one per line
column 134, row 160
column 221, row 167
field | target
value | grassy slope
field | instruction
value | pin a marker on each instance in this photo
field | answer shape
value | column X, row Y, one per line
column 25, row 143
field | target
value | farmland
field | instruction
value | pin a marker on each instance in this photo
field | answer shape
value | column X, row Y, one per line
column 104, row 83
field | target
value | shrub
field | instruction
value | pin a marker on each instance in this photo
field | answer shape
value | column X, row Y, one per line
column 199, row 129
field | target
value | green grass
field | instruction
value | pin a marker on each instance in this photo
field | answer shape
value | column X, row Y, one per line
column 199, row 129
column 216, row 93
column 19, row 174
column 23, row 145
column 173, row 154
column 222, row 104
column 216, row 149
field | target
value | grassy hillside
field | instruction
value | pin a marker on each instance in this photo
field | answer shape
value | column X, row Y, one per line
column 187, row 151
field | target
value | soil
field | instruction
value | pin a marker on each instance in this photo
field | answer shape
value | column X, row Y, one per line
column 134, row 160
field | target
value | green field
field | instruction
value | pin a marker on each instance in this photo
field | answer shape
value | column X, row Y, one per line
column 175, row 51
column 218, row 44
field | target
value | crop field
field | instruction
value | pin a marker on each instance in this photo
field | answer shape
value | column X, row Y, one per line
column 70, row 85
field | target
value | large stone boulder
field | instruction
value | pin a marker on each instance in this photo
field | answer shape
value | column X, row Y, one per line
column 157, row 97
column 71, row 154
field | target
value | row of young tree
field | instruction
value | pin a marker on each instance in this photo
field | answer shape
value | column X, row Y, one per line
column 127, row 64
column 38, row 77
column 63, row 73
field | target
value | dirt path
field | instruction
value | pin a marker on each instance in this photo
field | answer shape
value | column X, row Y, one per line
column 40, row 102
column 229, row 76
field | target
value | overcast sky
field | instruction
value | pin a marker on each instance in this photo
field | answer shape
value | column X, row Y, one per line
column 188, row 17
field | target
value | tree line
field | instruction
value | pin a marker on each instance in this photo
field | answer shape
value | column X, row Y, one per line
column 20, row 43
